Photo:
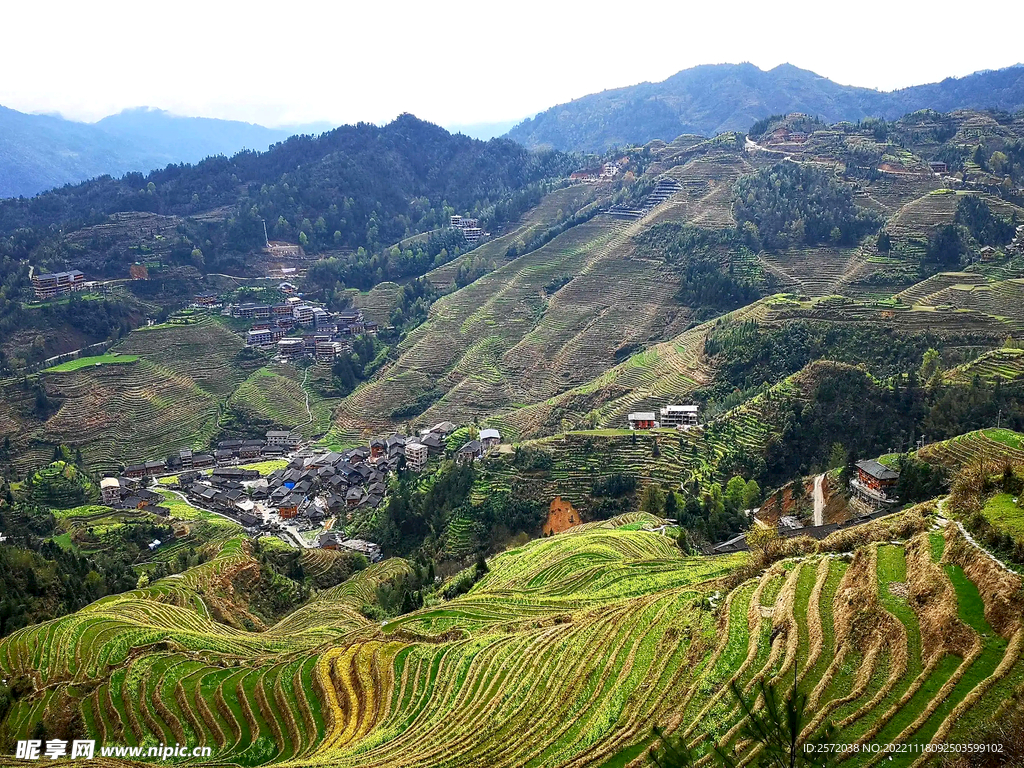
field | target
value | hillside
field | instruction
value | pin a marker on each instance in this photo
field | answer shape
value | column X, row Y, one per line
column 715, row 98
column 912, row 640
column 616, row 313
column 39, row 152
column 359, row 186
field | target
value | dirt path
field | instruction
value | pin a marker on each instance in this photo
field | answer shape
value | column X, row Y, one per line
column 819, row 500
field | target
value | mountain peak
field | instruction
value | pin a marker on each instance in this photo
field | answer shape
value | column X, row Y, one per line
column 714, row 98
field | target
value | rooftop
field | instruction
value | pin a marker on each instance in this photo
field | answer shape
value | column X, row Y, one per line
column 877, row 470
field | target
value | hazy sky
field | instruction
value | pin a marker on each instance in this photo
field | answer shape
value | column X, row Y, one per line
column 453, row 62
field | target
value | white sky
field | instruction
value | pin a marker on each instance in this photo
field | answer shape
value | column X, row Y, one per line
column 454, row 62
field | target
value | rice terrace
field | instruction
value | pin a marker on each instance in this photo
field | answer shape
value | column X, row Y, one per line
column 678, row 425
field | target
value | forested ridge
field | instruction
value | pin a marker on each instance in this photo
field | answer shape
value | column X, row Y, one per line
column 359, row 185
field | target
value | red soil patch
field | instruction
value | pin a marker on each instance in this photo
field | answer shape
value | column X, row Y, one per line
column 561, row 517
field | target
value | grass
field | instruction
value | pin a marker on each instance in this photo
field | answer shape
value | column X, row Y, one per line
column 267, row 466
column 1005, row 515
column 83, row 362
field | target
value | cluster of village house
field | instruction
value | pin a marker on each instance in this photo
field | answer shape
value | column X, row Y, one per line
column 313, row 488
column 325, row 335
column 671, row 417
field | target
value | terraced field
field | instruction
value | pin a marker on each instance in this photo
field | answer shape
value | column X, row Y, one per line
column 814, row 271
column 999, row 298
column 533, row 223
column 564, row 654
column 989, row 445
column 120, row 413
column 1003, row 364
column 502, row 340
column 551, row 320
column 203, row 351
column 712, row 452
column 666, row 372
column 276, row 396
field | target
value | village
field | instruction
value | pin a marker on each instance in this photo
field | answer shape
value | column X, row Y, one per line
column 307, row 500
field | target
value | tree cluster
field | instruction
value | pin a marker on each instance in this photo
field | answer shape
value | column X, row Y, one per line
column 794, row 204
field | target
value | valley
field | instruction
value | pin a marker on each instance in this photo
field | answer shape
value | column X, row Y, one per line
column 483, row 456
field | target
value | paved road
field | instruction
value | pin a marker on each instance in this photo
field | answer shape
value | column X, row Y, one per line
column 819, row 500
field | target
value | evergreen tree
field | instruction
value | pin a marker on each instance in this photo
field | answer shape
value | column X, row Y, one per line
column 671, row 509
column 653, row 500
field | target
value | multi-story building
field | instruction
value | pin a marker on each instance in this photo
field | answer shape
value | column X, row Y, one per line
column 679, row 416
column 415, row 456
column 259, row 336
column 642, row 420
column 251, row 310
column 283, row 438
column 58, row 283
column 327, row 351
column 303, row 314
column 470, row 227
column 290, row 347
column 110, row 490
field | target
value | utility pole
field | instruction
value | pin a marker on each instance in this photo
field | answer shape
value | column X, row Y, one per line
column 999, row 418
column 267, row 239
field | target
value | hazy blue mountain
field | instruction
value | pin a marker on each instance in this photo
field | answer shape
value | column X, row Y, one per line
column 38, row 152
column 713, row 98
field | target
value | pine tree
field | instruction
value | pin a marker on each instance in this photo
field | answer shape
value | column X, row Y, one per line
column 671, row 505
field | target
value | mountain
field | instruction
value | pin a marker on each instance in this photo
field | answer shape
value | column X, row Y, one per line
column 348, row 194
column 361, row 185
column 39, row 152
column 714, row 98
column 190, row 139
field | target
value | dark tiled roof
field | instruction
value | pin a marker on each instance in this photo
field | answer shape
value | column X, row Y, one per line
column 877, row 470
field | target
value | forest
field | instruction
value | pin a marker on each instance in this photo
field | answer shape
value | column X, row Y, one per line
column 792, row 204
column 705, row 262
column 356, row 186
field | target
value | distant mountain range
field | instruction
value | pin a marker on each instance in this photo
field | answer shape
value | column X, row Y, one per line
column 713, row 98
column 38, row 152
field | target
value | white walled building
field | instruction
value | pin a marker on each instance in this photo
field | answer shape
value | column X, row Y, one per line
column 415, row 456
column 679, row 416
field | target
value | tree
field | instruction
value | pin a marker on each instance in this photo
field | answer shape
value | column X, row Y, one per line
column 837, row 457
column 764, row 541
column 946, row 248
column 734, row 494
column 929, row 364
column 653, row 500
column 884, row 243
column 777, row 727
column 671, row 751
column 751, row 494
column 671, row 509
